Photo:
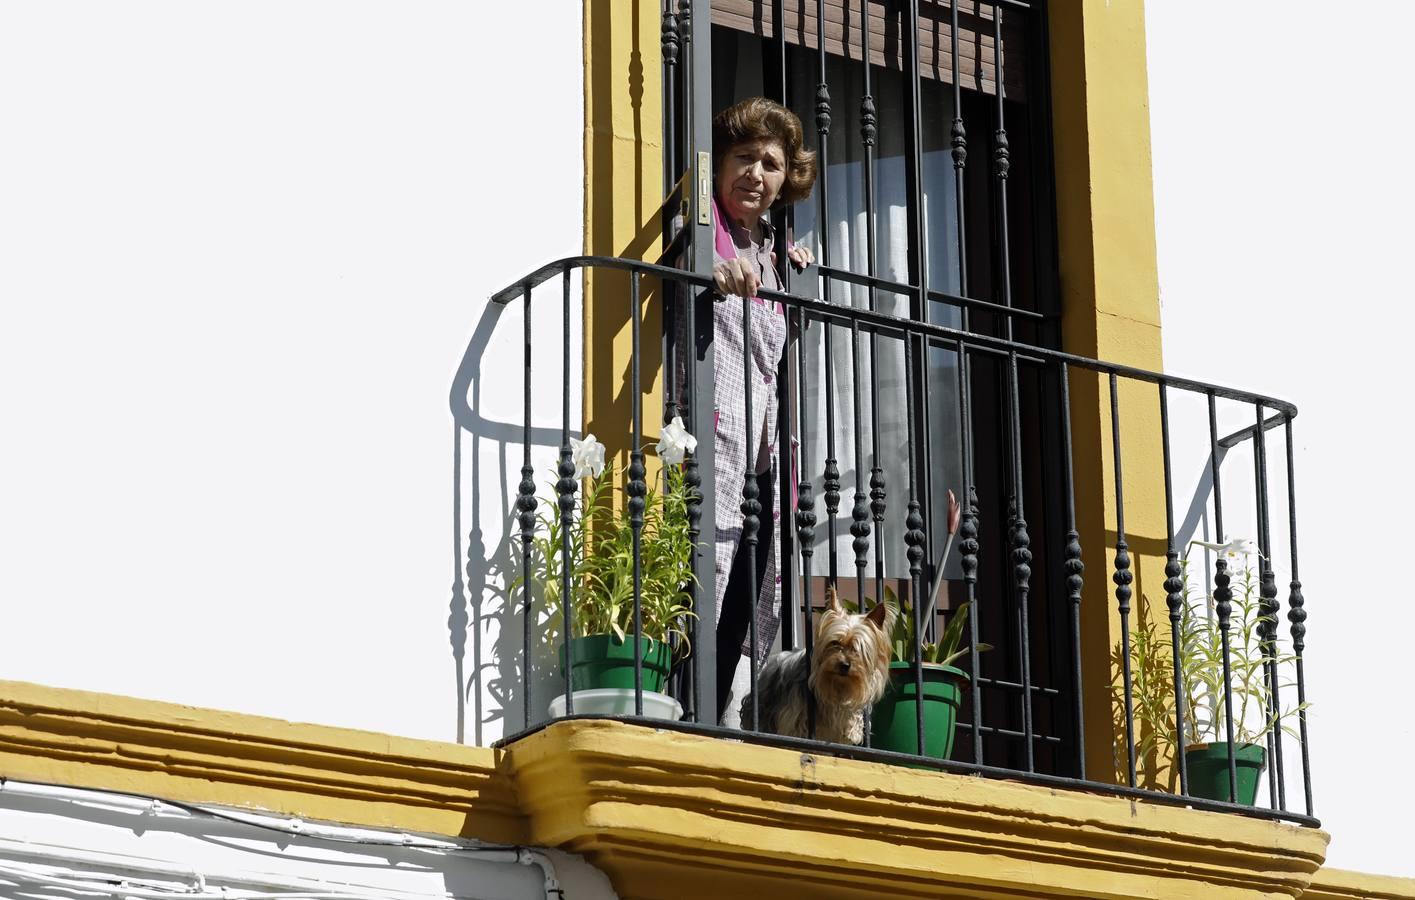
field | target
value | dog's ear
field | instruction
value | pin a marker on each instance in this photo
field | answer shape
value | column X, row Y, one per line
column 832, row 601
column 878, row 615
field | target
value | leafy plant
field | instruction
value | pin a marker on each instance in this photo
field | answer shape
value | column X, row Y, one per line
column 947, row 650
column 602, row 561
column 1201, row 664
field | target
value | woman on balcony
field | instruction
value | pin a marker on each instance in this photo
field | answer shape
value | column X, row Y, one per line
column 760, row 163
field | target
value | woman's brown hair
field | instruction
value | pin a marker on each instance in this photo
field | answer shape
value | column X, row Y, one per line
column 758, row 118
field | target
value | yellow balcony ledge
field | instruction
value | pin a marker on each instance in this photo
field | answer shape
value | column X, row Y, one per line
column 672, row 815
column 667, row 814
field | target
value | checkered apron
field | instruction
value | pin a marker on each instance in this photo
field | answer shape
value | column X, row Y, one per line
column 736, row 435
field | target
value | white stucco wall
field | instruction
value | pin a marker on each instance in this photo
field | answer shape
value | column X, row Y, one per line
column 51, row 841
column 243, row 247
column 1282, row 206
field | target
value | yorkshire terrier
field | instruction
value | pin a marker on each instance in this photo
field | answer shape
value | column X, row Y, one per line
column 848, row 674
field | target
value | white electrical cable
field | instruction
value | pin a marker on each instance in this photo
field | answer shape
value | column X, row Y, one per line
column 289, row 825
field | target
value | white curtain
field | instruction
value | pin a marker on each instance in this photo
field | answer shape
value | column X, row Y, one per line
column 848, row 249
column 846, row 233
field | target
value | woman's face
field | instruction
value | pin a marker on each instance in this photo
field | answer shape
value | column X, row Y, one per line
column 750, row 177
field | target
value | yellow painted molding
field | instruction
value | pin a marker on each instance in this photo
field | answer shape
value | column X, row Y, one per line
column 92, row 740
column 1338, row 884
column 682, row 816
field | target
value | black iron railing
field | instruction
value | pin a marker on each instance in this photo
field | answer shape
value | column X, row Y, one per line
column 1019, row 722
column 980, row 401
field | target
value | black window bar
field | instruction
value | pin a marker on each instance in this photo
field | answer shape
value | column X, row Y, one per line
column 799, row 74
column 1024, row 712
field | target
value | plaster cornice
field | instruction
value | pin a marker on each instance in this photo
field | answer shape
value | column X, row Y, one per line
column 88, row 739
column 648, row 806
column 673, row 815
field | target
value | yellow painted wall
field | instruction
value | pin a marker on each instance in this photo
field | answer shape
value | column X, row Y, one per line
column 1110, row 311
column 623, row 193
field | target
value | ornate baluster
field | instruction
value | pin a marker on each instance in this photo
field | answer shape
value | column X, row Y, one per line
column 1122, row 578
column 877, row 510
column 1223, row 597
column 1001, row 162
column 1022, row 576
column 1021, row 557
column 526, row 503
column 1223, row 609
column 914, row 538
column 1267, row 645
column 692, row 490
column 861, row 528
column 1174, row 599
column 968, row 545
column 823, row 120
column 669, row 42
column 1174, row 595
column 958, row 136
column 636, row 489
column 1268, row 610
column 860, row 513
column 968, row 542
column 670, row 35
column 805, row 514
column 565, row 492
column 868, row 129
column 1297, row 619
column 1074, row 569
column 457, row 616
column 751, row 507
column 831, row 479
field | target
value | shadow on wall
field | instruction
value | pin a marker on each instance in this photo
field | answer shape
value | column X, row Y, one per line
column 486, row 604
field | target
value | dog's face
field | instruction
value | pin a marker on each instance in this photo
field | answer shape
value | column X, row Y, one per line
column 850, row 660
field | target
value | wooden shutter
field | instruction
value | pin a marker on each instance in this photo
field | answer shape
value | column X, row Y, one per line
column 977, row 66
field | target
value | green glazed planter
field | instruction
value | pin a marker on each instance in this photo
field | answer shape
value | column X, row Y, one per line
column 604, row 661
column 1208, row 770
column 894, row 722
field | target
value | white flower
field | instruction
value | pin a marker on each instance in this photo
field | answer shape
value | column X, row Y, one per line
column 675, row 442
column 1233, row 549
column 587, row 455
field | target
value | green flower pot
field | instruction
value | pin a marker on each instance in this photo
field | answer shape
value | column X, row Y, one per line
column 604, row 661
column 894, row 722
column 1208, row 770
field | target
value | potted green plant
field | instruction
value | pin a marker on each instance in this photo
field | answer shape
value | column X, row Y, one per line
column 1205, row 741
column 894, row 719
column 602, row 571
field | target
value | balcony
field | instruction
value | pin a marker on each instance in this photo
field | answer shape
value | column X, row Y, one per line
column 1106, row 608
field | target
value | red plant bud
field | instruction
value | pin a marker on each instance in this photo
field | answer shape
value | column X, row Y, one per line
column 955, row 512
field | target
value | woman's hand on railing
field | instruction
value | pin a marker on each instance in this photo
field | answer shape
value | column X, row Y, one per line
column 800, row 256
column 737, row 277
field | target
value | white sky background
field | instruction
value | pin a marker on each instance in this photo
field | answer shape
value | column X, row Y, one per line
column 1283, row 197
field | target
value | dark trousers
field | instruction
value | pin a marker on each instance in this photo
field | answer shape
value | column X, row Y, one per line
column 738, row 602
